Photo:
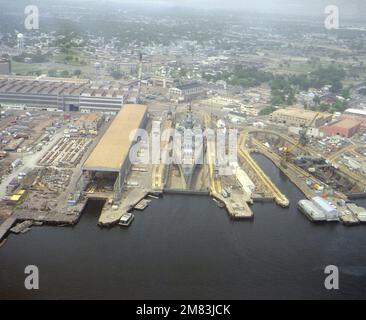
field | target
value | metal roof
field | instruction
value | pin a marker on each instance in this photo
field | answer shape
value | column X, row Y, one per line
column 346, row 124
column 323, row 205
column 113, row 148
column 356, row 111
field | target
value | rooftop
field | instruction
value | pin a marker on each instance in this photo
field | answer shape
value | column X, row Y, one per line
column 347, row 124
column 356, row 111
column 302, row 113
column 323, row 204
column 113, row 148
column 188, row 86
column 58, row 86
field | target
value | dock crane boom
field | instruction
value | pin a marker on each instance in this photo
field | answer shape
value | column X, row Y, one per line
column 139, row 78
column 303, row 141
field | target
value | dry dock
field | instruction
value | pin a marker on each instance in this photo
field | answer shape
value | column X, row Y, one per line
column 278, row 196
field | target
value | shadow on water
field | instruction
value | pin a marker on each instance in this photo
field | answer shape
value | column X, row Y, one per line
column 184, row 247
column 93, row 209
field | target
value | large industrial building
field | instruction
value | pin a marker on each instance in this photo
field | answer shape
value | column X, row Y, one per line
column 56, row 94
column 187, row 92
column 345, row 128
column 299, row 117
column 163, row 82
column 110, row 158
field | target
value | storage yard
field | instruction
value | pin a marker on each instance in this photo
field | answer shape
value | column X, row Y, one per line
column 66, row 153
column 42, row 181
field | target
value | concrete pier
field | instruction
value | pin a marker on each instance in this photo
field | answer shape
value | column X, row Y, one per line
column 6, row 226
column 111, row 215
column 186, row 192
column 49, row 218
column 237, row 209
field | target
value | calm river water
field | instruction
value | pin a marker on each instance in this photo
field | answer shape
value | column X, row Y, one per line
column 187, row 248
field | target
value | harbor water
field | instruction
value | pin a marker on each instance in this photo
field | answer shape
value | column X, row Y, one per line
column 185, row 247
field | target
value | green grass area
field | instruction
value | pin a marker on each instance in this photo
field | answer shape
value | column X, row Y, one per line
column 24, row 69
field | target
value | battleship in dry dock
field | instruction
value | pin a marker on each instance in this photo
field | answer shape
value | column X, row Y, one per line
column 190, row 151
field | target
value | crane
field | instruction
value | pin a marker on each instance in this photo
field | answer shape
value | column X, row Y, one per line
column 303, row 141
column 139, row 77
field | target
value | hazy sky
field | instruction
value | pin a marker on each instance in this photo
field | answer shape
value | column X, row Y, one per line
column 312, row 7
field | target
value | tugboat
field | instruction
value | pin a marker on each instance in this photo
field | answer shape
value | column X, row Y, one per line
column 126, row 219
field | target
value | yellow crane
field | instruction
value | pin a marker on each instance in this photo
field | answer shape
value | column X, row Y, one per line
column 303, row 141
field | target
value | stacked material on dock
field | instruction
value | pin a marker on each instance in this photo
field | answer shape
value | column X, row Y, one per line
column 358, row 211
column 22, row 227
column 14, row 145
column 142, row 205
column 308, row 208
column 6, row 225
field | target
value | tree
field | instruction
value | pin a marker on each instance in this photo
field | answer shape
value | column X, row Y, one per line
column 77, row 73
column 267, row 110
column 116, row 74
column 336, row 87
column 346, row 93
column 65, row 74
column 52, row 73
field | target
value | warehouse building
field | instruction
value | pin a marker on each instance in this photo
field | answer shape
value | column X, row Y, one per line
column 109, row 160
column 187, row 92
column 300, row 118
column 329, row 210
column 163, row 82
column 344, row 128
column 61, row 94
